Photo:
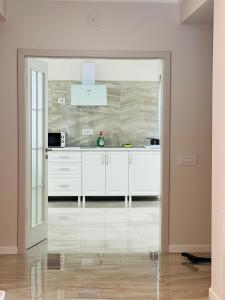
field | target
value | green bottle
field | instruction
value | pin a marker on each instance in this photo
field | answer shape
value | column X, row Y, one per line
column 100, row 140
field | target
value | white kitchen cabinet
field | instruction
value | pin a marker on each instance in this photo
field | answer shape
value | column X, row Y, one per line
column 104, row 172
column 64, row 185
column 64, row 173
column 144, row 173
column 66, row 156
column 117, row 173
column 93, row 173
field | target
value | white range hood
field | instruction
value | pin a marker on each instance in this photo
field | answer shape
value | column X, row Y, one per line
column 88, row 93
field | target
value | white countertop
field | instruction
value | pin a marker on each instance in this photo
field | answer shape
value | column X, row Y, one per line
column 153, row 148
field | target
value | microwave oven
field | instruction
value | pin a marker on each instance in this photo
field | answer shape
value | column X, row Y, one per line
column 56, row 139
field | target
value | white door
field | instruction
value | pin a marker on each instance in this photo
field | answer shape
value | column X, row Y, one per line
column 144, row 173
column 93, row 173
column 37, row 88
column 117, row 173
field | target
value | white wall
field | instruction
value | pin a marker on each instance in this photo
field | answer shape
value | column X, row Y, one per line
column 63, row 25
column 108, row 70
column 218, row 169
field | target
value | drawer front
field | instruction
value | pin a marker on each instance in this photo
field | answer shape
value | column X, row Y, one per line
column 64, row 186
column 64, row 156
column 64, row 168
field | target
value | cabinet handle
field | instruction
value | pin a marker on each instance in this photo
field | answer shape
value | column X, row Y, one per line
column 64, row 157
column 103, row 158
column 63, row 185
column 107, row 158
column 64, row 169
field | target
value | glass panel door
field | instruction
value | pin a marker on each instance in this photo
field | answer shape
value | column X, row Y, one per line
column 37, row 99
column 38, row 152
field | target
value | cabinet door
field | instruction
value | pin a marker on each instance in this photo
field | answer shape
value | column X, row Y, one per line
column 62, row 185
column 117, row 173
column 93, row 173
column 144, row 173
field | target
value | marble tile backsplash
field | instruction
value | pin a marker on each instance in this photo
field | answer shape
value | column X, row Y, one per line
column 132, row 113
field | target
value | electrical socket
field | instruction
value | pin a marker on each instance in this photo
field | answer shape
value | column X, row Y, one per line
column 61, row 100
column 87, row 131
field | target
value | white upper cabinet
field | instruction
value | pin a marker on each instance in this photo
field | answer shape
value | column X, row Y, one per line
column 144, row 173
column 93, row 173
column 117, row 173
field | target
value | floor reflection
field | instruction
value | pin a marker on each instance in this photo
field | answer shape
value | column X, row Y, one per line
column 104, row 228
column 40, row 275
column 105, row 253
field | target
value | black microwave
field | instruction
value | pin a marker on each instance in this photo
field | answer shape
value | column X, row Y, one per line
column 56, row 139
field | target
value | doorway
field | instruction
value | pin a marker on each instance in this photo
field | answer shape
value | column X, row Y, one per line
column 164, row 138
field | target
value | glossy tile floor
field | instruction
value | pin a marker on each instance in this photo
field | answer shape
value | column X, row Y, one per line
column 119, row 265
column 41, row 276
column 104, row 227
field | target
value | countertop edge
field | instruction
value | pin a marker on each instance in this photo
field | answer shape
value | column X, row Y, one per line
column 103, row 149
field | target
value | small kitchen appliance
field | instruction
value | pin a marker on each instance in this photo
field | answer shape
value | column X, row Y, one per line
column 151, row 142
column 56, row 139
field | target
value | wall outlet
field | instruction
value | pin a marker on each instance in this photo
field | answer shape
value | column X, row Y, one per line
column 87, row 131
column 61, row 100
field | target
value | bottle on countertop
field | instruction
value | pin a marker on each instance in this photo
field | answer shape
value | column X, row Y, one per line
column 101, row 140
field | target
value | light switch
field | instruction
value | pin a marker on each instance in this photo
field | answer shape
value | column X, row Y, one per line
column 187, row 160
column 87, row 131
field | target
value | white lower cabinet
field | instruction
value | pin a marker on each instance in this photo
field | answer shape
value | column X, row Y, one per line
column 104, row 173
column 64, row 173
column 93, row 173
column 117, row 173
column 144, row 173
column 64, row 185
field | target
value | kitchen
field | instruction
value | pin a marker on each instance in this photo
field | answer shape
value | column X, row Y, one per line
column 104, row 155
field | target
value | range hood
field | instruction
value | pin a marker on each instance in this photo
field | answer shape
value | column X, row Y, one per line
column 88, row 93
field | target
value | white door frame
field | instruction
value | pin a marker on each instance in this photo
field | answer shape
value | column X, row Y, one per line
column 23, row 162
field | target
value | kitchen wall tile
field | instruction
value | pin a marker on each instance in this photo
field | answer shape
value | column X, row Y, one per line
column 130, row 116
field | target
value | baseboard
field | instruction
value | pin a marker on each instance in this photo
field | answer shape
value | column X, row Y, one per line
column 213, row 295
column 8, row 250
column 190, row 248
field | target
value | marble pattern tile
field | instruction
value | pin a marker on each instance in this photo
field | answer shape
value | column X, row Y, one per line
column 42, row 276
column 117, row 275
column 130, row 116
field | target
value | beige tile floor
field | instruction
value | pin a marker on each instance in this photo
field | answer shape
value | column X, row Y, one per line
column 124, row 273
column 131, row 276
column 104, row 227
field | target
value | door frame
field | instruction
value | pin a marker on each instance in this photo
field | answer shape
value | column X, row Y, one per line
column 23, row 162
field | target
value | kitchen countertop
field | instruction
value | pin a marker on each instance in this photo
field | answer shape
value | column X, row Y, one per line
column 93, row 148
